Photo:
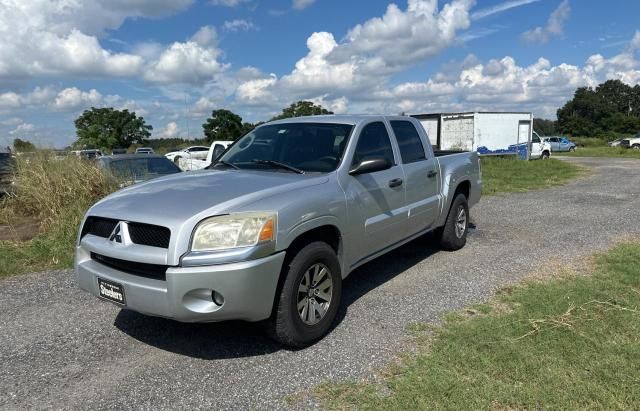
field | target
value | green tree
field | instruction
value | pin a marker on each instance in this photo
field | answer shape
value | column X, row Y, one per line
column 109, row 128
column 613, row 107
column 301, row 109
column 544, row 127
column 223, row 125
column 23, row 146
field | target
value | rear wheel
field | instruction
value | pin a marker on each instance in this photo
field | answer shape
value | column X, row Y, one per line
column 310, row 297
column 636, row 146
column 453, row 235
column 546, row 155
column 572, row 149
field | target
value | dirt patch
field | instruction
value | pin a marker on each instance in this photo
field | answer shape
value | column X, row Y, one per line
column 23, row 231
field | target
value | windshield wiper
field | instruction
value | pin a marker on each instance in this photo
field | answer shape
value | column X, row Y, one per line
column 279, row 164
column 224, row 163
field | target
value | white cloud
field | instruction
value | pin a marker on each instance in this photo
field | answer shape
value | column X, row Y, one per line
column 553, row 28
column 239, row 25
column 23, row 129
column 302, row 4
column 73, row 98
column 38, row 96
column 192, row 62
column 50, row 38
column 369, row 54
column 171, row 130
column 12, row 121
column 228, row 3
column 499, row 8
column 402, row 38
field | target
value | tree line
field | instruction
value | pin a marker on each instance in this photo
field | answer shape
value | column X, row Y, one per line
column 607, row 111
column 109, row 128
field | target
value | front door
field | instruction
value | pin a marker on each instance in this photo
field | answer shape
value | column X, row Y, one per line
column 376, row 200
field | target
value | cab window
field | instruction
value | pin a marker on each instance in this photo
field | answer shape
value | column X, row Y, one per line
column 411, row 148
column 374, row 142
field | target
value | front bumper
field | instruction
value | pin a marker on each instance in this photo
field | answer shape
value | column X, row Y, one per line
column 248, row 289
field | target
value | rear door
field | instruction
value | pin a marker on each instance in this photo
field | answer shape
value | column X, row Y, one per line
column 377, row 199
column 421, row 177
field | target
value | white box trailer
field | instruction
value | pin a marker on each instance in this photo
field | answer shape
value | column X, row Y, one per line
column 488, row 133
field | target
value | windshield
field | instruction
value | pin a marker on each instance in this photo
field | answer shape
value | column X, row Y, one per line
column 142, row 168
column 310, row 147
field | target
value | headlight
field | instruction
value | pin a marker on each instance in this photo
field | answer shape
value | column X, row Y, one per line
column 233, row 231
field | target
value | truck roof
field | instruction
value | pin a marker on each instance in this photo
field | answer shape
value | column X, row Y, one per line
column 338, row 118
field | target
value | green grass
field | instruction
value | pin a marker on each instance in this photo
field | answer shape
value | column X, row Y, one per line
column 572, row 343
column 505, row 175
column 602, row 152
column 56, row 193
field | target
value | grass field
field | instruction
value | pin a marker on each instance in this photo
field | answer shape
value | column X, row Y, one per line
column 602, row 152
column 56, row 194
column 571, row 343
column 505, row 175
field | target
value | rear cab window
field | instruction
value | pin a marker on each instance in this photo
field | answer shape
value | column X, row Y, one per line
column 409, row 141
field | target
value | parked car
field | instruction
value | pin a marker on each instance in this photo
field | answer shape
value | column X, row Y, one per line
column 559, row 144
column 131, row 168
column 89, row 154
column 633, row 142
column 7, row 166
column 615, row 143
column 271, row 229
column 144, row 150
column 217, row 148
column 193, row 152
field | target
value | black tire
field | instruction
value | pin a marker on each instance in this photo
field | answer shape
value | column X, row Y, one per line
column 572, row 149
column 176, row 160
column 636, row 146
column 546, row 155
column 449, row 238
column 286, row 324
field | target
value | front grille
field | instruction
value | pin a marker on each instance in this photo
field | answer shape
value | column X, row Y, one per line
column 147, row 234
column 154, row 271
column 99, row 226
column 144, row 234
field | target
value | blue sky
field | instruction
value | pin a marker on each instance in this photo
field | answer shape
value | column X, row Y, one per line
column 173, row 61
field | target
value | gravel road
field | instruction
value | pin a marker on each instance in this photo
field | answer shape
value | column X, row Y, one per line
column 61, row 348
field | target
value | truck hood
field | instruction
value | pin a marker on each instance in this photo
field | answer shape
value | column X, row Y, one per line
column 172, row 200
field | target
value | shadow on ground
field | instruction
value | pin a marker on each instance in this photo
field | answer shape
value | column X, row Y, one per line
column 235, row 339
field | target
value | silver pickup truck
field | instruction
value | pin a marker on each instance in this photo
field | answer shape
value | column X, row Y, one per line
column 270, row 230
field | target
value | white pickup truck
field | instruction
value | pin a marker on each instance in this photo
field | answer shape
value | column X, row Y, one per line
column 202, row 161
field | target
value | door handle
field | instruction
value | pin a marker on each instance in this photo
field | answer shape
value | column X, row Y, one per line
column 432, row 173
column 396, row 182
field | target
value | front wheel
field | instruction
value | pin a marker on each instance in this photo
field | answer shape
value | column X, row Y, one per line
column 636, row 146
column 310, row 297
column 545, row 155
column 572, row 149
column 453, row 235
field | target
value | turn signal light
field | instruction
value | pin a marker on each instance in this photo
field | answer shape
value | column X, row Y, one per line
column 266, row 234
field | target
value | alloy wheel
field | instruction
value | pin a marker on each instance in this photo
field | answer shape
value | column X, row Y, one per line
column 315, row 292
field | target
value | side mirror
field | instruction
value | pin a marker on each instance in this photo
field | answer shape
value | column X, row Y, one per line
column 370, row 165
